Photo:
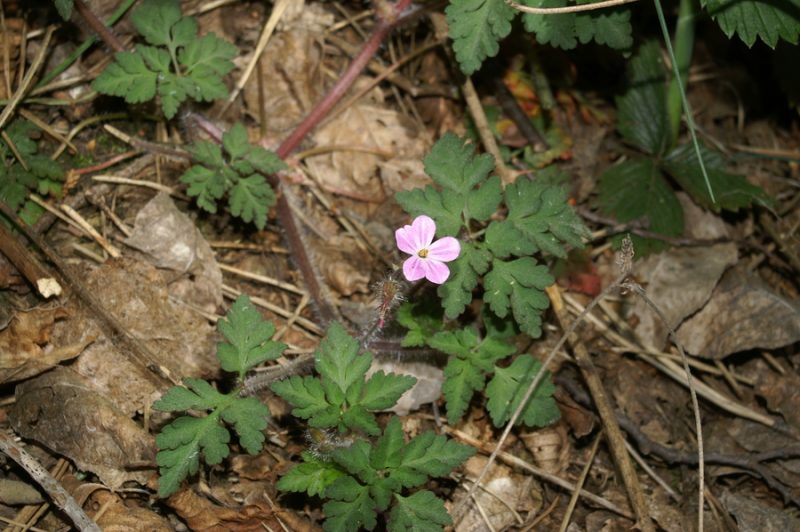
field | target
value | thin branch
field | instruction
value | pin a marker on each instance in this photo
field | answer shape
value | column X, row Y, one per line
column 99, row 28
column 568, row 9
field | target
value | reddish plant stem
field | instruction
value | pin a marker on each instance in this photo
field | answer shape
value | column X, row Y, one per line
column 99, row 28
column 327, row 312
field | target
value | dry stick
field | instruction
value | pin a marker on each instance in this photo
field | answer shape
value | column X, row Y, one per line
column 274, row 17
column 573, row 501
column 485, row 132
column 56, row 491
column 633, row 286
column 568, row 9
column 26, row 82
column 27, row 264
column 614, row 435
column 137, row 351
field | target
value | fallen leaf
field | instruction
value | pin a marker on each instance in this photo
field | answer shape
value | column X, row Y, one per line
column 751, row 514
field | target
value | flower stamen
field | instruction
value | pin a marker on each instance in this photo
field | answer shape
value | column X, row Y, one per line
column 423, row 253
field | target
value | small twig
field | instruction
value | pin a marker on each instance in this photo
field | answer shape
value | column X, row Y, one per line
column 573, row 501
column 262, row 279
column 277, row 12
column 91, row 231
column 27, row 264
column 61, row 497
column 568, row 9
column 28, row 79
column 485, row 132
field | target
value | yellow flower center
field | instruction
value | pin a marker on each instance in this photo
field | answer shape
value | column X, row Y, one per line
column 423, row 253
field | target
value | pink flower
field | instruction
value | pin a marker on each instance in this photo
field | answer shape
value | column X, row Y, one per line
column 427, row 257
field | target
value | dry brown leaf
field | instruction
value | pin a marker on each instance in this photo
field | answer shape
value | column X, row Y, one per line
column 751, row 514
column 63, row 412
column 743, row 313
column 119, row 516
column 173, row 242
column 135, row 293
column 549, row 446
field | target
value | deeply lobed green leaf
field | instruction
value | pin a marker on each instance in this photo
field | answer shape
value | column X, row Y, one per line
column 476, row 27
column 507, row 387
column 248, row 338
column 757, row 19
column 611, row 27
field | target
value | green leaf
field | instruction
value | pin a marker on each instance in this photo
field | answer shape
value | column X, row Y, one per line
column 445, row 209
column 196, row 394
column 248, row 338
column 183, row 33
column 732, row 192
column 456, row 292
column 509, row 384
column 539, row 219
column 128, row 77
column 352, row 507
column 476, row 26
column 207, row 153
column 263, row 160
column 20, row 134
column 387, row 451
column 611, row 27
column 642, row 110
column 338, row 361
column 382, row 391
column 173, row 90
column 180, row 444
column 45, row 168
column 207, row 60
column 64, row 8
column 752, row 19
column 422, row 320
column 452, row 165
column 305, row 394
column 250, row 199
column 207, row 186
column 248, row 416
column 462, row 380
column 235, row 141
column 636, row 189
column 434, row 455
column 519, row 285
column 153, row 19
column 313, row 476
column 421, row 512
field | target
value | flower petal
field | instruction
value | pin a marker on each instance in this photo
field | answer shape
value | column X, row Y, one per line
column 437, row 271
column 423, row 229
column 405, row 240
column 445, row 249
column 414, row 268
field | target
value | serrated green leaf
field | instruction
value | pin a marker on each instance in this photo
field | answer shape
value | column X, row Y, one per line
column 128, row 77
column 642, row 110
column 421, row 512
column 207, row 186
column 753, row 19
column 207, row 153
column 611, row 27
column 387, row 451
column 156, row 59
column 732, row 192
column 153, row 19
column 509, row 384
column 476, row 27
column 248, row 416
column 539, row 219
column 235, row 141
column 64, row 8
column 352, row 508
column 19, row 132
column 250, row 199
column 445, row 209
column 518, row 285
column 209, row 52
column 338, row 361
column 248, row 338
column 305, row 394
column 422, row 320
column 461, row 380
column 482, row 202
column 636, row 189
column 456, row 292
column 44, row 167
column 452, row 164
column 196, row 394
column 12, row 192
column 434, row 455
column 173, row 91
column 183, row 33
column 382, row 390
column 264, row 160
column 355, row 459
column 180, row 444
column 313, row 476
